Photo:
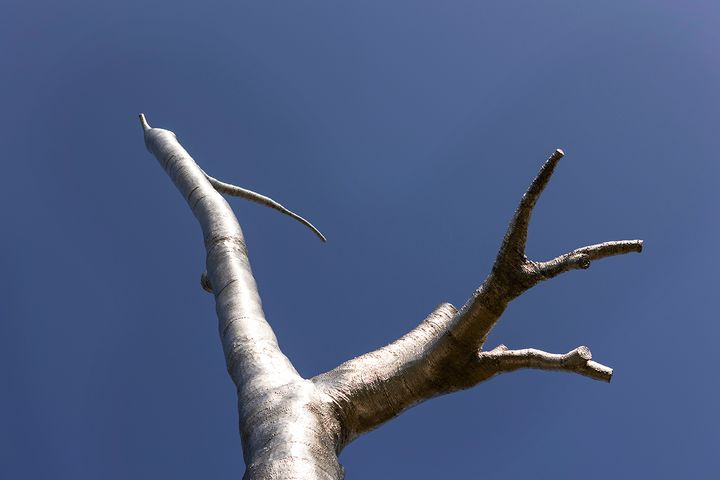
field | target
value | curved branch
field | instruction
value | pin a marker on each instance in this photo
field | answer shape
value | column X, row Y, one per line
column 236, row 191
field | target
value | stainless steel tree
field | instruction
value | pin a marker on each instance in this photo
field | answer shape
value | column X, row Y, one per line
column 295, row 428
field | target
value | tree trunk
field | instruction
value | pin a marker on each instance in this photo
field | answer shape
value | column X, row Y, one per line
column 294, row 428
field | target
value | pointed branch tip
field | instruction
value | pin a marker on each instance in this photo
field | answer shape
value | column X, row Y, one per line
column 512, row 250
column 144, row 123
column 236, row 191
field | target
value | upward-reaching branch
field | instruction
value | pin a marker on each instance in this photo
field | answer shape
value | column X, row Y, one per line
column 245, row 333
column 287, row 430
column 443, row 353
column 513, row 273
column 512, row 249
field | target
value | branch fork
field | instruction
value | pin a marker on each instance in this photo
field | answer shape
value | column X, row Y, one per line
column 445, row 352
column 512, row 263
column 293, row 427
column 234, row 190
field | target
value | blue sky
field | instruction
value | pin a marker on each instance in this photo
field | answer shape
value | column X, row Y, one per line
column 407, row 132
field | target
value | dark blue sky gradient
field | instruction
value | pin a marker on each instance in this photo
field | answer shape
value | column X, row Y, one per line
column 407, row 132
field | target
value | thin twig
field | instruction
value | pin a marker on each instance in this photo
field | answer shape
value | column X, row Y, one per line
column 236, row 191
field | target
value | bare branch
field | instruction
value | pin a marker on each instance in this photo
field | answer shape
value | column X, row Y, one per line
column 501, row 360
column 513, row 273
column 513, row 246
column 236, row 191
column 441, row 355
column 581, row 258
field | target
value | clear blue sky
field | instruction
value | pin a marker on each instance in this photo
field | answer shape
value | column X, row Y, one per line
column 406, row 131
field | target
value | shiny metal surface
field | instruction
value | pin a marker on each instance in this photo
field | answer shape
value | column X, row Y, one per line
column 294, row 428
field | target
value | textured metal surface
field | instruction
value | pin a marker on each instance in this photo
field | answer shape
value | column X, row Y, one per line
column 288, row 427
column 293, row 428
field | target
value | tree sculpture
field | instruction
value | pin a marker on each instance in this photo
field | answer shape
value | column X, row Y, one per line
column 294, row 428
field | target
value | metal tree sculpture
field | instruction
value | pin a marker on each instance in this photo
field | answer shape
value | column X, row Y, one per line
column 294, row 428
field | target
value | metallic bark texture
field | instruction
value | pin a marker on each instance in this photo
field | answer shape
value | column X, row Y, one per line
column 295, row 428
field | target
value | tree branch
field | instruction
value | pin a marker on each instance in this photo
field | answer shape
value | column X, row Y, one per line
column 250, row 345
column 288, row 429
column 294, row 428
column 236, row 191
column 512, row 249
column 373, row 388
column 579, row 360
column 513, row 273
column 441, row 354
column 581, row 258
